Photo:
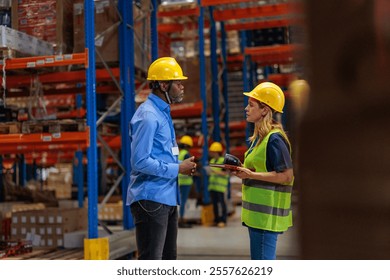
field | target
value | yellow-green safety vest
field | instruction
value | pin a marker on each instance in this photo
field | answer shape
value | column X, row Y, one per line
column 218, row 183
column 265, row 205
column 184, row 180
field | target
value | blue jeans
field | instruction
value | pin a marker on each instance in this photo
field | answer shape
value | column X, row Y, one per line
column 155, row 230
column 218, row 199
column 184, row 193
column 262, row 244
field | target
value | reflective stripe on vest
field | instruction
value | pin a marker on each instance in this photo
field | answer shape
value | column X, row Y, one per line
column 184, row 180
column 218, row 183
column 265, row 205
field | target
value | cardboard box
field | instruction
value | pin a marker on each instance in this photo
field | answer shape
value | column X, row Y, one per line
column 50, row 224
column 106, row 31
column 48, row 20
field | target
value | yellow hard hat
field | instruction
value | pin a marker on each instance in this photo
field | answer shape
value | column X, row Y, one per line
column 216, row 147
column 269, row 94
column 186, row 140
column 165, row 69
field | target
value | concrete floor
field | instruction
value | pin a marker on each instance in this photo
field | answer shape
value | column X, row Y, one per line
column 229, row 243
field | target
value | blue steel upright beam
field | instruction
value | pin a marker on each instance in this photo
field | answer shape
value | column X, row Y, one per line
column 153, row 30
column 214, row 73
column 203, row 95
column 225, row 91
column 243, row 44
column 225, row 95
column 80, row 178
column 127, row 73
column 89, row 9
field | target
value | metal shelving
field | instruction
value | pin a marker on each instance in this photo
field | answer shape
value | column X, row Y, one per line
column 239, row 18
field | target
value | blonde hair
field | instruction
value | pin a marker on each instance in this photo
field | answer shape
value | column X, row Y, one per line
column 265, row 125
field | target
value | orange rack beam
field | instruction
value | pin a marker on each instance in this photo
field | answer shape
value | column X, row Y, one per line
column 60, row 77
column 261, row 24
column 254, row 12
column 275, row 49
column 273, row 54
column 179, row 12
column 206, row 3
column 187, row 110
column 46, row 61
column 178, row 27
column 19, row 141
column 24, row 148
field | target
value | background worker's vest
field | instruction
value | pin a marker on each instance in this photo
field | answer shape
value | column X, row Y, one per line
column 184, row 179
column 265, row 205
column 218, row 183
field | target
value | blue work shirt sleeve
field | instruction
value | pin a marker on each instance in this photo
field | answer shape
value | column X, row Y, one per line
column 143, row 134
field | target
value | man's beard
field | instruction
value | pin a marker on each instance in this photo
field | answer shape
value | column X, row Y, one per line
column 177, row 99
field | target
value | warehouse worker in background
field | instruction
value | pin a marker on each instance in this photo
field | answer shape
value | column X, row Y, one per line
column 185, row 181
column 218, row 185
column 266, row 191
column 153, row 192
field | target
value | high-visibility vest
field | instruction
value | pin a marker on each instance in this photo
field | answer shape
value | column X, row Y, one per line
column 265, row 205
column 184, row 179
column 218, row 183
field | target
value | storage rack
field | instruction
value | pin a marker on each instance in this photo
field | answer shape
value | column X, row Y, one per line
column 126, row 73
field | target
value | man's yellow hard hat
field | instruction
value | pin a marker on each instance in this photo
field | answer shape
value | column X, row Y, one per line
column 165, row 69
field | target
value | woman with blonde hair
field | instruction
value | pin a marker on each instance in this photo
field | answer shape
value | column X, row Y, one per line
column 267, row 173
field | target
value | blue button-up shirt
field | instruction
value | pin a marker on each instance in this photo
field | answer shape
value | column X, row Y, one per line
column 154, row 167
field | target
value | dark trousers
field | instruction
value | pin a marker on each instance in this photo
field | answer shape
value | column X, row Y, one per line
column 184, row 194
column 155, row 230
column 219, row 206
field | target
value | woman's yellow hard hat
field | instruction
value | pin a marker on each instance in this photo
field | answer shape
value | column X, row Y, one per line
column 269, row 94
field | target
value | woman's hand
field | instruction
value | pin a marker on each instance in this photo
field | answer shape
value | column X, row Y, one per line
column 243, row 173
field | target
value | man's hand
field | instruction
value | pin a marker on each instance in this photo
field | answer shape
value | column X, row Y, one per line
column 188, row 166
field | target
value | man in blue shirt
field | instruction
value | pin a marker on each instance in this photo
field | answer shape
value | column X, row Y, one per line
column 153, row 193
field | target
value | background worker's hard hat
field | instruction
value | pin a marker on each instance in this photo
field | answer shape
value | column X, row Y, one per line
column 165, row 69
column 269, row 94
column 216, row 147
column 186, row 140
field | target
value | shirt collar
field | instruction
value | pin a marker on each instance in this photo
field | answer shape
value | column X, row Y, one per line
column 161, row 104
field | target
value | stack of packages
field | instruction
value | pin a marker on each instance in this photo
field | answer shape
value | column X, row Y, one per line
column 48, row 20
column 60, row 180
column 46, row 228
column 106, row 31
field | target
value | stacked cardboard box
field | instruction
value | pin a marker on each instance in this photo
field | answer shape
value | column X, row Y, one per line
column 111, row 212
column 47, row 227
column 49, row 20
column 60, row 180
column 106, row 31
column 7, row 208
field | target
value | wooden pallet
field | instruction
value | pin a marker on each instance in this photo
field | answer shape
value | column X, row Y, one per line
column 51, row 254
column 53, row 126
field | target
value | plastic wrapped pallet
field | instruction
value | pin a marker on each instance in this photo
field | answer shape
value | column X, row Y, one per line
column 48, row 20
